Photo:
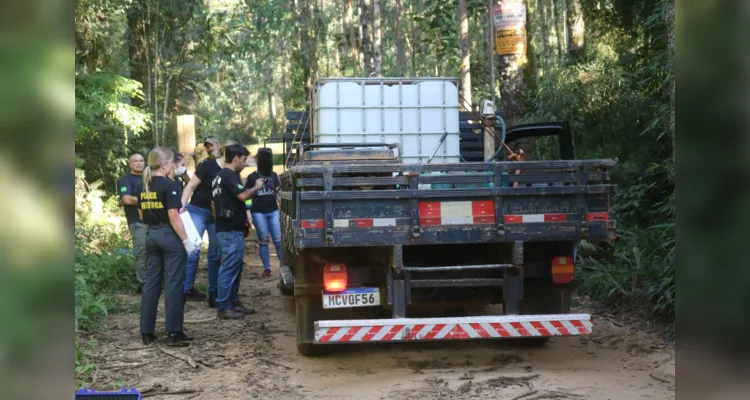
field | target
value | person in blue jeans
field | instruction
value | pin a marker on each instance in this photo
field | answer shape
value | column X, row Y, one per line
column 265, row 208
column 229, row 196
column 198, row 191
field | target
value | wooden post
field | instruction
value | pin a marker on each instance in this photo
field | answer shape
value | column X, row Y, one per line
column 186, row 140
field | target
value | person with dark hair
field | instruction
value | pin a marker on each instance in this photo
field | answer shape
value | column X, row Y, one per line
column 229, row 196
column 129, row 186
column 180, row 172
column 198, row 191
column 265, row 209
column 159, row 204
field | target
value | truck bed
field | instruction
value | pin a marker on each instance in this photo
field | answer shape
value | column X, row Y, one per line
column 346, row 204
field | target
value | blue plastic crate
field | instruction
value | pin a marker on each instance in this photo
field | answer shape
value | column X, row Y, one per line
column 124, row 394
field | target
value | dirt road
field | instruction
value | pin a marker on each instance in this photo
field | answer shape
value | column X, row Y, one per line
column 257, row 358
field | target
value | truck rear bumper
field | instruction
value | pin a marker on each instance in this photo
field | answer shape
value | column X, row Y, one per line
column 453, row 328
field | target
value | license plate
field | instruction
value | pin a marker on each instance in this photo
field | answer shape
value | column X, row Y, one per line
column 358, row 297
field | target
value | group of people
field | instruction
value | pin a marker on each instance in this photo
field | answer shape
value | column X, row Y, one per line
column 155, row 194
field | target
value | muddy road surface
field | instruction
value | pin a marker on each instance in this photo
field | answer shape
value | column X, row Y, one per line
column 256, row 358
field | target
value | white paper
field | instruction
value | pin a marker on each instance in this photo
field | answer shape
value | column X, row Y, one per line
column 192, row 232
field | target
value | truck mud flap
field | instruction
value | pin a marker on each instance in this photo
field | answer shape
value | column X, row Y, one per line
column 287, row 279
column 453, row 328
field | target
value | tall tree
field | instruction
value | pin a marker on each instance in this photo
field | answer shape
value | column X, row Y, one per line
column 556, row 28
column 465, row 56
column 415, row 36
column 544, row 24
column 137, row 49
column 376, row 37
column 575, row 27
column 400, row 40
column 271, row 97
column 351, row 32
column 364, row 12
column 670, row 16
column 306, row 45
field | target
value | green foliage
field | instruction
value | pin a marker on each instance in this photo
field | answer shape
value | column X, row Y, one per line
column 616, row 101
column 639, row 272
column 103, row 266
column 99, row 104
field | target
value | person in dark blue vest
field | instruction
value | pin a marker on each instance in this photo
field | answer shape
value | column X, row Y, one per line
column 128, row 187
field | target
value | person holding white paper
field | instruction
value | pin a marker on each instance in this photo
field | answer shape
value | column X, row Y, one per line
column 167, row 247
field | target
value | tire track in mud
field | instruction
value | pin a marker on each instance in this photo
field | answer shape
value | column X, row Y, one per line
column 257, row 358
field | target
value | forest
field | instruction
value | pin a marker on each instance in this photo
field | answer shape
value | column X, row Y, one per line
column 604, row 66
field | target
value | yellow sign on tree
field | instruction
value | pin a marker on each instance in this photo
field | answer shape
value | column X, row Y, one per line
column 510, row 27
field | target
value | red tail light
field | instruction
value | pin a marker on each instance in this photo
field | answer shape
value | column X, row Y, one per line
column 563, row 269
column 334, row 277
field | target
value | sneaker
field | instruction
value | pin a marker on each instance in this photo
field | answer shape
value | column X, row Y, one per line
column 212, row 300
column 239, row 307
column 266, row 273
column 194, row 295
column 148, row 338
column 229, row 314
column 178, row 339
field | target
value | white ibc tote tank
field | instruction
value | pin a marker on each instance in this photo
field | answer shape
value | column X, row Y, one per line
column 413, row 112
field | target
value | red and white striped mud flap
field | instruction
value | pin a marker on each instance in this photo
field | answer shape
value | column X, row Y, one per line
column 479, row 327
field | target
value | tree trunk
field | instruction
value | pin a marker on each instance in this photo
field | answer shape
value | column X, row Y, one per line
column 156, row 77
column 575, row 29
column 136, row 51
column 400, row 40
column 286, row 67
column 315, row 43
column 671, row 43
column 544, row 23
column 512, row 84
column 366, row 45
column 306, row 48
column 414, row 43
column 376, row 36
column 512, row 88
column 466, row 104
column 321, row 27
column 271, row 100
column 349, row 28
column 555, row 28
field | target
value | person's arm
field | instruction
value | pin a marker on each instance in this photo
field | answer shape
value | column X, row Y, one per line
column 140, row 214
column 186, row 178
column 213, row 209
column 127, row 193
column 248, row 193
column 129, row 200
column 188, row 191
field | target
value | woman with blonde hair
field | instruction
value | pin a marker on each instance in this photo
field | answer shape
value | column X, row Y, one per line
column 167, row 247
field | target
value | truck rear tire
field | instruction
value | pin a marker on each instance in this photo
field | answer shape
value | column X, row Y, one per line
column 544, row 301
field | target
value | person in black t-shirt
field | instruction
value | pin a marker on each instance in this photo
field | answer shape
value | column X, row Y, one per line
column 129, row 186
column 229, row 196
column 198, row 191
column 166, row 245
column 265, row 209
